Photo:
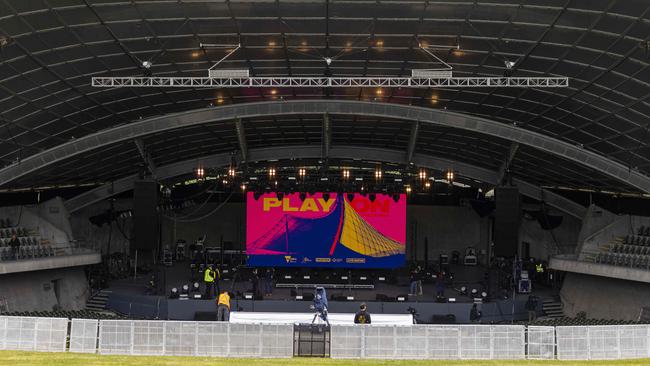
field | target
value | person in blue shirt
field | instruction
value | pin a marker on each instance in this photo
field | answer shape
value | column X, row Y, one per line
column 320, row 304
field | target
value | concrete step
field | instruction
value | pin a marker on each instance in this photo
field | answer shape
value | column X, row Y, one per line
column 553, row 308
column 98, row 301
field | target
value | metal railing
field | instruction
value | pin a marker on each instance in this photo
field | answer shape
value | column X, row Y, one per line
column 219, row 339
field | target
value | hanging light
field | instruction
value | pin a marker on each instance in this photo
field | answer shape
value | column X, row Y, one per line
column 408, row 189
column 346, row 174
column 427, row 185
column 450, row 176
column 423, row 174
column 200, row 173
column 302, row 172
column 243, row 186
column 271, row 172
column 231, row 172
column 378, row 173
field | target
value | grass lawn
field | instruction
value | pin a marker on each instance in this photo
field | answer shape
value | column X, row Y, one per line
column 16, row 358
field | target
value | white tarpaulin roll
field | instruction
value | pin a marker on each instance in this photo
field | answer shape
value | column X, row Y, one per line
column 334, row 318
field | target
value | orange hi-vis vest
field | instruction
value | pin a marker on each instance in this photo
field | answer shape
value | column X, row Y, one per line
column 224, row 299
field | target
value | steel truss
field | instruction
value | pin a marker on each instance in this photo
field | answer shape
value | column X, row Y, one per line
column 330, row 82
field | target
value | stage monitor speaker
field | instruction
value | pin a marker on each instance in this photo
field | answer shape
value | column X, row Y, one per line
column 506, row 223
column 145, row 218
column 205, row 316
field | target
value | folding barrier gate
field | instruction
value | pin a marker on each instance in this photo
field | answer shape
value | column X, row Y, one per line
column 142, row 337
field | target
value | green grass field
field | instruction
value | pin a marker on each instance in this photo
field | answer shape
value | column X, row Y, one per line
column 15, row 358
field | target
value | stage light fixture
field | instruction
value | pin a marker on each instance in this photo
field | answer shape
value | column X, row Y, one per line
column 346, row 174
column 146, row 64
column 450, row 176
column 401, row 298
column 200, row 173
column 271, row 172
column 243, row 186
column 408, row 189
column 248, row 296
column 423, row 174
column 302, row 172
column 231, row 172
column 378, row 173
column 427, row 185
column 463, row 290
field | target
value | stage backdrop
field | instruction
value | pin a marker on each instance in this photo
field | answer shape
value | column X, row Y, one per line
column 320, row 232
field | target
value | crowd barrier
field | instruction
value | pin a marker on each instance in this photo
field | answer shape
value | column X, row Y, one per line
column 218, row 339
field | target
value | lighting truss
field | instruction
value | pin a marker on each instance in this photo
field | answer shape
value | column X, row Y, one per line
column 329, row 82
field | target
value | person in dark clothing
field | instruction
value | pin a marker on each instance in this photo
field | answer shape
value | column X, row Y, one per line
column 475, row 315
column 362, row 316
column 320, row 304
column 14, row 243
column 440, row 285
column 268, row 282
column 531, row 307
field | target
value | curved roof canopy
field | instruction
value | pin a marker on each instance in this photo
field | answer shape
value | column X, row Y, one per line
column 50, row 49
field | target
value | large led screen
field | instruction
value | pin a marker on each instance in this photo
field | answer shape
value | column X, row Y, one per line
column 324, row 230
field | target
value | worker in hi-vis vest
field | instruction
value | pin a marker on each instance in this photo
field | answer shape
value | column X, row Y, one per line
column 223, row 307
column 209, row 277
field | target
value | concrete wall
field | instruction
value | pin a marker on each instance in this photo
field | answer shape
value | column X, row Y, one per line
column 602, row 297
column 57, row 231
column 544, row 243
column 29, row 291
column 618, row 226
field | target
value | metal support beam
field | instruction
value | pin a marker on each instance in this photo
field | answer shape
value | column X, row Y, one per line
column 327, row 135
column 505, row 166
column 412, row 141
column 460, row 121
column 329, row 82
column 146, row 157
column 337, row 152
column 241, row 137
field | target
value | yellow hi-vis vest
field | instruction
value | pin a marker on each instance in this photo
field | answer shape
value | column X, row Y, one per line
column 208, row 275
column 224, row 299
column 539, row 268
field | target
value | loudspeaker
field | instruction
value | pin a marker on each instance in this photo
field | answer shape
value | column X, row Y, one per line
column 507, row 220
column 145, row 218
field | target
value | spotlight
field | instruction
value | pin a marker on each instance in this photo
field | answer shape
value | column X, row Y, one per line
column 200, row 173
column 346, row 174
column 450, row 176
column 146, row 64
column 243, row 186
column 271, row 172
column 474, row 292
column 302, row 172
column 378, row 173
column 231, row 172
column 463, row 290
column 408, row 189
column 328, row 60
column 423, row 174
column 509, row 64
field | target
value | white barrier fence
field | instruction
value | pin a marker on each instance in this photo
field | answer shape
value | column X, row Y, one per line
column 181, row 338
column 429, row 342
column 172, row 338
